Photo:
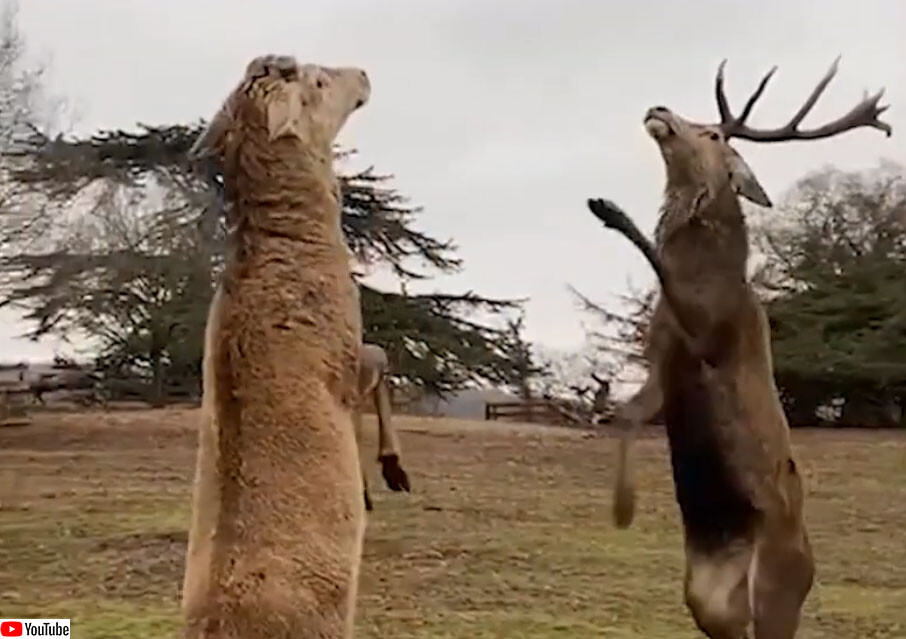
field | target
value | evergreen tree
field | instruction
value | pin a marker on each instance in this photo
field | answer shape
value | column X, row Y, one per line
column 833, row 278
column 92, row 282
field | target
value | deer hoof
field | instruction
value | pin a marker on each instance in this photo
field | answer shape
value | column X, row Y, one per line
column 393, row 473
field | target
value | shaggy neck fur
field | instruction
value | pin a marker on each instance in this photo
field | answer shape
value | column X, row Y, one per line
column 702, row 230
column 276, row 180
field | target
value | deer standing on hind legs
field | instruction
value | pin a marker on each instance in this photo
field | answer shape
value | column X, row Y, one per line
column 373, row 371
column 277, row 521
column 748, row 557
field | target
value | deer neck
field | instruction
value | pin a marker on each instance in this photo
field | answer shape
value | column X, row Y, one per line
column 703, row 229
column 286, row 192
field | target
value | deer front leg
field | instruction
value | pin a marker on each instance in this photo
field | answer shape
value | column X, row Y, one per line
column 388, row 444
column 639, row 409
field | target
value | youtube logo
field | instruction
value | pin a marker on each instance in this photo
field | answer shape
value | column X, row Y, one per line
column 34, row 628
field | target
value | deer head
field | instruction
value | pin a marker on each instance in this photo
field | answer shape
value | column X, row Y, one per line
column 304, row 101
column 699, row 155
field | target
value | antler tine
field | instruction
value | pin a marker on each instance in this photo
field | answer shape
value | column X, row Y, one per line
column 747, row 109
column 864, row 114
column 727, row 121
column 816, row 93
column 723, row 106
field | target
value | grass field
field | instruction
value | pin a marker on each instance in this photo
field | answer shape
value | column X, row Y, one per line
column 507, row 532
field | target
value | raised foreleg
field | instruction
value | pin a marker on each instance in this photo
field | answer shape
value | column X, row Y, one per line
column 388, row 444
column 614, row 217
column 373, row 368
column 639, row 409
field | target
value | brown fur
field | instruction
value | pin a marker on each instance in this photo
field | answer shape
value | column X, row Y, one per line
column 741, row 496
column 748, row 557
column 277, row 526
column 373, row 370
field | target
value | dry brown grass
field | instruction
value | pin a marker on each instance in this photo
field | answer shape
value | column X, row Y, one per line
column 507, row 532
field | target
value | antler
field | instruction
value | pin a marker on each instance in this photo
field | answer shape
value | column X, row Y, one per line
column 863, row 114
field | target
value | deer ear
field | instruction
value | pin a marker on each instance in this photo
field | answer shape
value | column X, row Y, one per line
column 284, row 112
column 744, row 181
column 210, row 142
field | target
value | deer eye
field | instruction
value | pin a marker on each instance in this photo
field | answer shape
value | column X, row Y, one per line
column 714, row 136
column 320, row 84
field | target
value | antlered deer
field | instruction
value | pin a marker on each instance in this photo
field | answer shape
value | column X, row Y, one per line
column 740, row 494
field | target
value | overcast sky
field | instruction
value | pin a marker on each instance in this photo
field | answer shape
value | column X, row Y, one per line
column 499, row 117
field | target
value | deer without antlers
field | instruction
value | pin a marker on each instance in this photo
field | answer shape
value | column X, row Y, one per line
column 275, row 542
column 748, row 557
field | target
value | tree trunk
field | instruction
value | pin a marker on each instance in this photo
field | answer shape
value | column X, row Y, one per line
column 157, row 378
column 526, row 393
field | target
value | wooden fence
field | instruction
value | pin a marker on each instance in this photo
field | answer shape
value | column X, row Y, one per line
column 543, row 411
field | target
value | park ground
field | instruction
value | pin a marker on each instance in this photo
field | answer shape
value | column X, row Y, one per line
column 507, row 532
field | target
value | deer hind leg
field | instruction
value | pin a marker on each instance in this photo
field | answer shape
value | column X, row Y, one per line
column 717, row 590
column 368, row 505
column 782, row 574
column 206, row 488
column 388, row 444
column 357, row 423
column 639, row 409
